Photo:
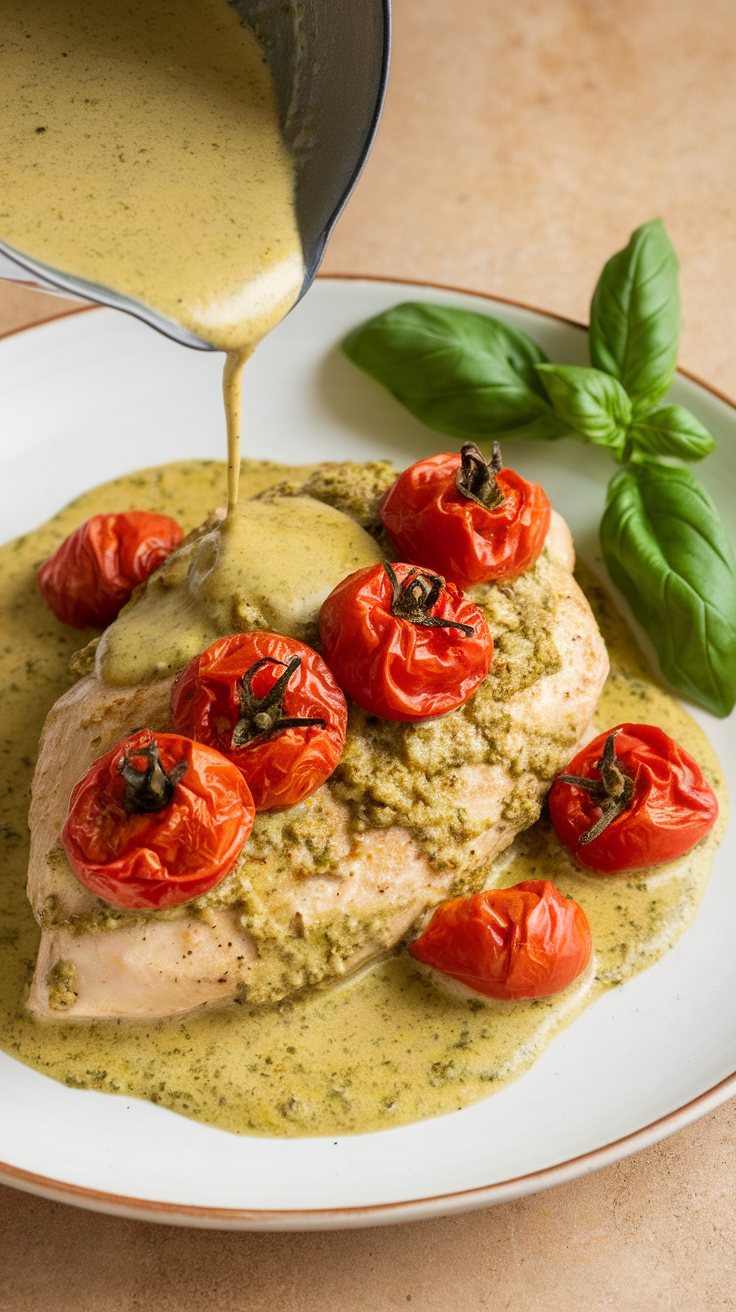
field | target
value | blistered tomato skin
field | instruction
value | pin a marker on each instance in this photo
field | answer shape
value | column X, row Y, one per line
column 672, row 806
column 220, row 694
column 158, row 858
column 527, row 941
column 93, row 572
column 398, row 668
column 435, row 525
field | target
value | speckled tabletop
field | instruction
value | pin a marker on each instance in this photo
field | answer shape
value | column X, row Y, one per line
column 521, row 144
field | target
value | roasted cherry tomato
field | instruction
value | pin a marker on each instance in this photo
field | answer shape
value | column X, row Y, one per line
column 92, row 574
column 271, row 706
column 157, row 821
column 469, row 519
column 527, row 941
column 403, row 643
column 632, row 798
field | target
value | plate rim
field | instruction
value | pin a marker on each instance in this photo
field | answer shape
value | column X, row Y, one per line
column 374, row 1214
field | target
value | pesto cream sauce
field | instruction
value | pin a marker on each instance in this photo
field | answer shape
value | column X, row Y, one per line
column 267, row 565
column 142, row 151
column 390, row 1047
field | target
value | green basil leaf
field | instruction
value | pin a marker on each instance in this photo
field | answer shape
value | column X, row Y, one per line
column 635, row 316
column 459, row 372
column 590, row 402
column 671, row 431
column 667, row 551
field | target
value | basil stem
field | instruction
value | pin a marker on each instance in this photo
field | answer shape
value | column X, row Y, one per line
column 668, row 553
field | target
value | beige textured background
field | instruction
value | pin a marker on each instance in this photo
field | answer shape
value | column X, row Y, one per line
column 522, row 141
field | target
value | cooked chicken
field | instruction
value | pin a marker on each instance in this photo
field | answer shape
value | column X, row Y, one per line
column 406, row 821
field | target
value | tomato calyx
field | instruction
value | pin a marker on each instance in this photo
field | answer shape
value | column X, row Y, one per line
column 260, row 716
column 614, row 791
column 152, row 789
column 476, row 477
column 413, row 599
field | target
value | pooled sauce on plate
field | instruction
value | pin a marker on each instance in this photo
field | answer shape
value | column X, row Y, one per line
column 142, row 152
column 389, row 1047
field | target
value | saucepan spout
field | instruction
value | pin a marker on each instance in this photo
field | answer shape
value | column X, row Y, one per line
column 329, row 64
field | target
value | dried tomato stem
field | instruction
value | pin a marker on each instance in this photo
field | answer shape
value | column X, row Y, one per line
column 149, row 790
column 614, row 791
column 264, row 715
column 476, row 477
column 413, row 599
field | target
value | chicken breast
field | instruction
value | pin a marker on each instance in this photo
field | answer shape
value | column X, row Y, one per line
column 406, row 821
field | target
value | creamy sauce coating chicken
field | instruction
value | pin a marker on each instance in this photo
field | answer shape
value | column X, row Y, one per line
column 390, row 1046
column 315, row 894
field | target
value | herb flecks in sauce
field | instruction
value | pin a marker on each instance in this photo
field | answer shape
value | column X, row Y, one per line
column 391, row 773
column 160, row 172
column 268, row 565
column 384, row 1049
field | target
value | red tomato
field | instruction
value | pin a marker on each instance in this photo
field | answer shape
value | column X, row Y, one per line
column 157, row 821
column 403, row 643
column 271, row 706
column 632, row 798
column 92, row 574
column 470, row 520
column 527, row 941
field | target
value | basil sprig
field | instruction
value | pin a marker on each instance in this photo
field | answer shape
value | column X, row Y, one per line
column 467, row 375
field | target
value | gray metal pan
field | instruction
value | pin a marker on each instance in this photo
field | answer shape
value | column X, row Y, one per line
column 329, row 60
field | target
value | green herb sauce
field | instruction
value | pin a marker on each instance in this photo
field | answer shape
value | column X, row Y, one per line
column 389, row 1047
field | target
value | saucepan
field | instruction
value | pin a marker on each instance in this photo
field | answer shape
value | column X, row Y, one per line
column 329, row 61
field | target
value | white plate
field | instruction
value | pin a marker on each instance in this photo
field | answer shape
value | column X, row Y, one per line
column 97, row 394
